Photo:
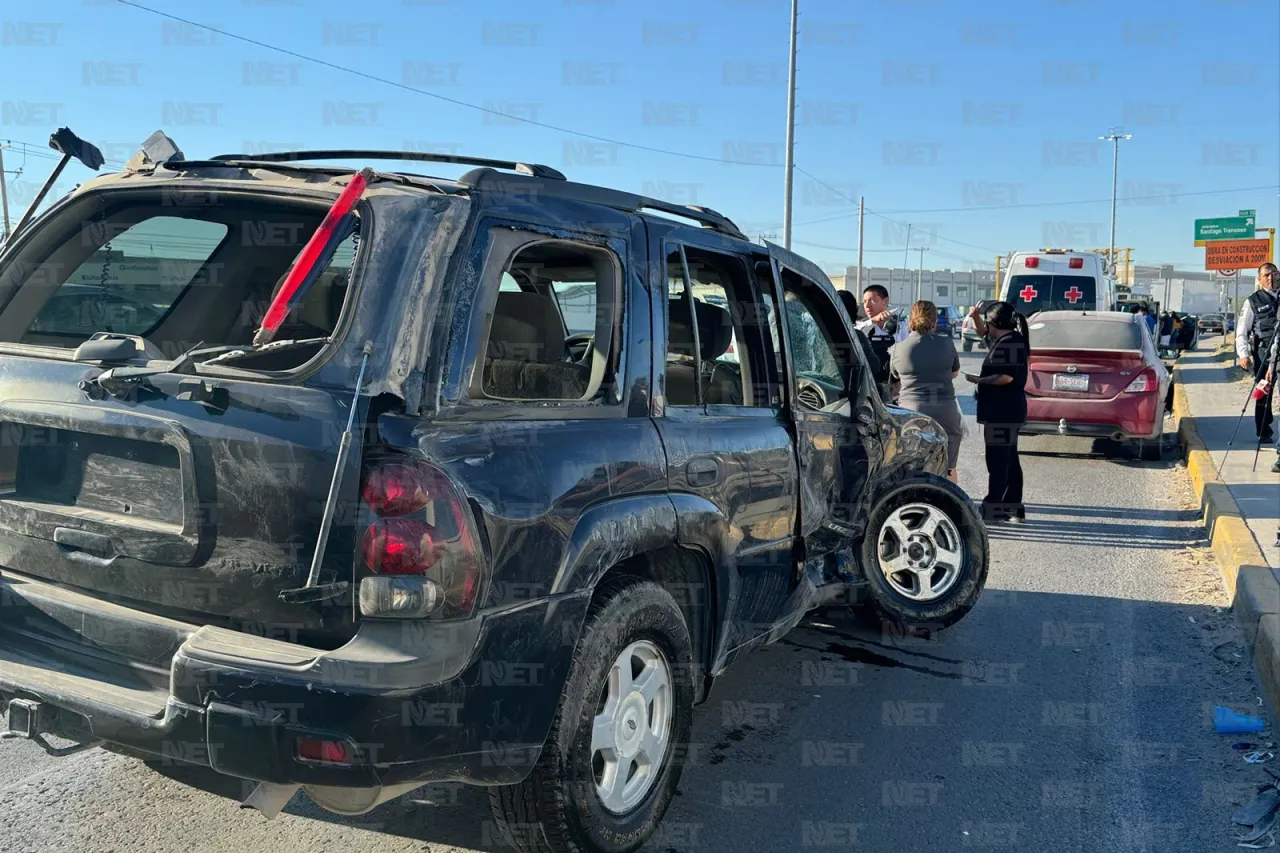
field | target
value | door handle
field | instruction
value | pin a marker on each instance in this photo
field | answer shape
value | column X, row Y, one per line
column 703, row 472
column 94, row 544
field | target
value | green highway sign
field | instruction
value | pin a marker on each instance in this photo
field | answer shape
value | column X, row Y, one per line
column 1247, row 213
column 1225, row 228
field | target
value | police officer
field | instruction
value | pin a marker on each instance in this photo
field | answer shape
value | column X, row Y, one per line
column 883, row 331
column 1255, row 332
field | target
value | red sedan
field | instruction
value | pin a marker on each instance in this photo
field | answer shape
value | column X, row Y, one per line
column 1099, row 375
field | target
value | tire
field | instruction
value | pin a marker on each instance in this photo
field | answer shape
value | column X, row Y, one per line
column 558, row 808
column 1152, row 449
column 962, row 593
column 968, row 346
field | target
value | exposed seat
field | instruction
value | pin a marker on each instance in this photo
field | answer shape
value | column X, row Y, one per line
column 721, row 383
column 526, row 352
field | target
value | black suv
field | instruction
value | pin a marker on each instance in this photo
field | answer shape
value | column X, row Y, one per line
column 371, row 480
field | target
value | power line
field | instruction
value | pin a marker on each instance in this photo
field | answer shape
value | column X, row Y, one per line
column 986, row 207
column 895, row 221
column 439, row 97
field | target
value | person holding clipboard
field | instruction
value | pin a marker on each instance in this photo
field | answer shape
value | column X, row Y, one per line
column 1002, row 407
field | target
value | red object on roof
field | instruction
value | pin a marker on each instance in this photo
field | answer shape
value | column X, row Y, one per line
column 310, row 254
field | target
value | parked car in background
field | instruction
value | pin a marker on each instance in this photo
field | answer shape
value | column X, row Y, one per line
column 969, row 336
column 948, row 321
column 1097, row 375
column 1213, row 324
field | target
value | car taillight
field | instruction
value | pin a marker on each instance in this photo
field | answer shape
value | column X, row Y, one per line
column 325, row 751
column 396, row 490
column 422, row 550
column 1075, row 263
column 1033, row 263
column 1145, row 382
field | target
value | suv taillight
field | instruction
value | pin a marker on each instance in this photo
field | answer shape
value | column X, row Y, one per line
column 422, row 548
column 1145, row 382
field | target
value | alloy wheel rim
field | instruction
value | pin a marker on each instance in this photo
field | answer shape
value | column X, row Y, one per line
column 920, row 552
column 632, row 727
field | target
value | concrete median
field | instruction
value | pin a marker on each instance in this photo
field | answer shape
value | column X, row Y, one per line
column 1250, row 581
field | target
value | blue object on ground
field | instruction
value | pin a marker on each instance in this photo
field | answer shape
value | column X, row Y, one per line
column 1227, row 721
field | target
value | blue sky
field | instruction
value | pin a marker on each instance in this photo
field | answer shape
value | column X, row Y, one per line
column 974, row 121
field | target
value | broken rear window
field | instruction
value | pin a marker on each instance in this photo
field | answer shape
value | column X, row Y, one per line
column 176, row 273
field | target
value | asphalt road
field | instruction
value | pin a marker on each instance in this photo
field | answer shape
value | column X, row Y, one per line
column 1069, row 712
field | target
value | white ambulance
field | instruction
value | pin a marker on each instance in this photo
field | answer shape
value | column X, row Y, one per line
column 1058, row 280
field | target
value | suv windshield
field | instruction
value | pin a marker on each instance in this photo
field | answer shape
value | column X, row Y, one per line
column 176, row 274
column 1085, row 334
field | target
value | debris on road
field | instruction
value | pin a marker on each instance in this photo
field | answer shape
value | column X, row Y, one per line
column 1258, row 757
column 1264, row 804
column 1227, row 721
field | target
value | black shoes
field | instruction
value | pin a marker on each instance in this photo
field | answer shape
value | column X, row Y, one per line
column 1011, row 513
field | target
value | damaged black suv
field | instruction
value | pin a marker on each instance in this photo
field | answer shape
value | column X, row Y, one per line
column 355, row 481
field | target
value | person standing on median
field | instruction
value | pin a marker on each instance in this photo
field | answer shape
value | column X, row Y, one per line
column 1002, row 407
column 1255, row 332
column 926, row 363
column 882, row 330
column 1273, row 374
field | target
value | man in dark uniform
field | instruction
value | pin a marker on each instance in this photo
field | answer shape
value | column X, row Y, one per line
column 1255, row 332
column 883, row 331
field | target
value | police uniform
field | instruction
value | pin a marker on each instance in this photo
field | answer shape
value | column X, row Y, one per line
column 1255, row 332
column 882, row 339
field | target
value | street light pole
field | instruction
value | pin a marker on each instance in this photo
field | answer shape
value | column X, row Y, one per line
column 860, row 220
column 920, row 273
column 791, row 129
column 1114, row 135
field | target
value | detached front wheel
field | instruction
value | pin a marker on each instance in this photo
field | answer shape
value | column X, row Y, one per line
column 611, row 763
column 925, row 554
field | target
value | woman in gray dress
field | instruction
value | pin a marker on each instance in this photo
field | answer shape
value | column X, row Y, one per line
column 925, row 364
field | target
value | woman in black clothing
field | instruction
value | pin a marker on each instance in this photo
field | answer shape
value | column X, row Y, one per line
column 1002, row 407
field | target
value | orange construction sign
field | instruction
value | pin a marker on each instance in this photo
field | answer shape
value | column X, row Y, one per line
column 1234, row 254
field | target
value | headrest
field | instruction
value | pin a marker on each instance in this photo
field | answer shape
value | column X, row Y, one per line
column 715, row 329
column 322, row 302
column 526, row 327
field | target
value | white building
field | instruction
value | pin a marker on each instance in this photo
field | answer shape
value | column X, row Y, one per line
column 941, row 287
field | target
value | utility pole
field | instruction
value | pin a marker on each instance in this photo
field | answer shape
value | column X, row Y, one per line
column 791, row 130
column 920, row 272
column 1114, row 136
column 4, row 197
column 860, row 233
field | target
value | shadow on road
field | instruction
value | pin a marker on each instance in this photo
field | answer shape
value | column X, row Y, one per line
column 1042, row 718
column 1119, row 534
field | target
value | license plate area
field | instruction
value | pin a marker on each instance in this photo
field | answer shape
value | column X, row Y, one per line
column 1071, row 382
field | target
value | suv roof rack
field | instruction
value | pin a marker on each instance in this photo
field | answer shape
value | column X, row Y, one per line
column 532, row 169
column 486, row 179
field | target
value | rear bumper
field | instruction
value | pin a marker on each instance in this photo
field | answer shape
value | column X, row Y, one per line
column 1138, row 417
column 469, row 701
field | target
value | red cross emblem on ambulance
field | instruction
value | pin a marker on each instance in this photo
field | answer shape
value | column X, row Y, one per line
column 1027, row 293
column 1073, row 295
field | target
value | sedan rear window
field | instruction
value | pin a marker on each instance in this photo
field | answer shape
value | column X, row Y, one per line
column 1085, row 334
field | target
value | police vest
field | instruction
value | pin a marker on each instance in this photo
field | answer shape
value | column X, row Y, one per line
column 1265, row 306
column 882, row 341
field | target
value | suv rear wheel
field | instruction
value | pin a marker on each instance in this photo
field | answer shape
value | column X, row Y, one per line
column 611, row 763
column 925, row 553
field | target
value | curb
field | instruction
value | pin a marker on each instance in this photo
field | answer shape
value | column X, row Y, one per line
column 1254, row 590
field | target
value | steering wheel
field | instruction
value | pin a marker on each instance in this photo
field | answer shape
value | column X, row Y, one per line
column 578, row 347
